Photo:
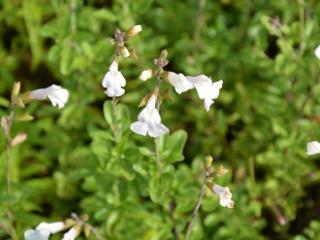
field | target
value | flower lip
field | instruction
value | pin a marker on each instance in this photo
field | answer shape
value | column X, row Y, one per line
column 206, row 89
column 149, row 121
column 224, row 194
column 39, row 234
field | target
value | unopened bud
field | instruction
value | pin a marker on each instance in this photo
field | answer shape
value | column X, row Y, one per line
column 87, row 230
column 164, row 54
column 16, row 89
column 124, row 52
column 24, row 118
column 209, row 160
column 146, row 74
column 134, row 30
column 20, row 138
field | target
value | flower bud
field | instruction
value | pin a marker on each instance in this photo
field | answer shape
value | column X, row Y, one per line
column 146, row 74
column 209, row 160
column 134, row 30
column 24, row 117
column 20, row 138
column 124, row 52
column 15, row 89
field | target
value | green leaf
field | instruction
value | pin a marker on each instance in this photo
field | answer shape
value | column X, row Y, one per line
column 172, row 148
column 108, row 113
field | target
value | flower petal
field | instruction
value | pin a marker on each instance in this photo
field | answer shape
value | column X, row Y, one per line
column 180, row 83
column 313, row 148
column 157, row 130
column 140, row 128
column 317, row 52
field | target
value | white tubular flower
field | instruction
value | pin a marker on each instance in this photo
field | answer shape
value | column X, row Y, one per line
column 180, row 83
column 56, row 94
column 39, row 234
column 206, row 89
column 71, row 234
column 149, row 121
column 224, row 194
column 317, row 52
column 113, row 81
column 313, row 148
column 52, row 227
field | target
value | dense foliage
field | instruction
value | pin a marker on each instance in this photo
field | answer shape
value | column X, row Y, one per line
column 268, row 109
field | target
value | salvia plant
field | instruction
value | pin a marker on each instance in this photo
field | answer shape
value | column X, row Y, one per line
column 140, row 139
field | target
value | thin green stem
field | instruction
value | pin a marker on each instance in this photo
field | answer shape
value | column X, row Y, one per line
column 158, row 156
column 116, row 128
column 197, row 207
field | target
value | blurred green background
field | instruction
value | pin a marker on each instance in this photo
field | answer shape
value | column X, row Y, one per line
column 267, row 111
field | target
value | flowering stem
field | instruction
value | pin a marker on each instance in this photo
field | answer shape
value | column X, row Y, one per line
column 7, row 123
column 6, row 127
column 197, row 207
column 116, row 114
column 158, row 156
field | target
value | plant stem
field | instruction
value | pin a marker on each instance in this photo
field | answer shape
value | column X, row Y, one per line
column 197, row 207
column 116, row 114
column 158, row 156
column 7, row 134
column 6, row 127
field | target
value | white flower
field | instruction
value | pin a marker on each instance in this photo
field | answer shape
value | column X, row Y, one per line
column 39, row 234
column 317, row 52
column 113, row 81
column 206, row 89
column 180, row 83
column 71, row 234
column 52, row 227
column 149, row 121
column 56, row 94
column 313, row 148
column 224, row 194
column 145, row 75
